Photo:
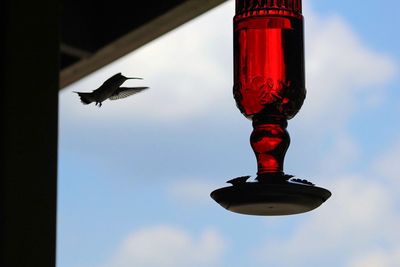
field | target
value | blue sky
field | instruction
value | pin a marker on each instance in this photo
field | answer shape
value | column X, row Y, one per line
column 135, row 175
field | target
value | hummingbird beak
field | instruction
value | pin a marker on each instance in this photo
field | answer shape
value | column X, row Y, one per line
column 129, row 78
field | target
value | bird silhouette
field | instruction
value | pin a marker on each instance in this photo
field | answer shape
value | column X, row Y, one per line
column 110, row 89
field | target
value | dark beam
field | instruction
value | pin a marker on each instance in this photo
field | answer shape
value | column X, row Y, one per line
column 74, row 51
column 186, row 11
column 29, row 83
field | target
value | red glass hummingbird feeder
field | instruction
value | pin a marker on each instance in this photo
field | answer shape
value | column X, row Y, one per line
column 269, row 89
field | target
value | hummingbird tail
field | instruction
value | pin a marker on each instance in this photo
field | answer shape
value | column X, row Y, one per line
column 86, row 98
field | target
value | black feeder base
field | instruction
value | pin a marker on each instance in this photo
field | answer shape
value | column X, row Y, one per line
column 270, row 199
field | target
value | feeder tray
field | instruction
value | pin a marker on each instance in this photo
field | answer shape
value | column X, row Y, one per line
column 256, row 198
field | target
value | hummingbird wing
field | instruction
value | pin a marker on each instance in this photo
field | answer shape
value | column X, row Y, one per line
column 123, row 92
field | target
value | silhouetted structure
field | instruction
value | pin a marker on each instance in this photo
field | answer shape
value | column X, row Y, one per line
column 30, row 61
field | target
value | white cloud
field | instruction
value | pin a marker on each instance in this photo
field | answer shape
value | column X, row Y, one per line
column 192, row 191
column 377, row 258
column 166, row 246
column 343, row 74
column 342, row 154
column 389, row 165
column 361, row 215
column 356, row 227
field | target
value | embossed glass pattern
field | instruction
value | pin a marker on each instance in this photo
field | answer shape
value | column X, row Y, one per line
column 269, row 64
column 269, row 79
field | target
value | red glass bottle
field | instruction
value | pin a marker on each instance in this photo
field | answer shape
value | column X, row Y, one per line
column 269, row 78
column 269, row 89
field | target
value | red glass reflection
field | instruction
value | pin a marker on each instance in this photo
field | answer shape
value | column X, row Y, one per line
column 270, row 142
column 269, row 80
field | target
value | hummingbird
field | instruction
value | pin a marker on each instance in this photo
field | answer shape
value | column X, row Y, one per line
column 110, row 89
